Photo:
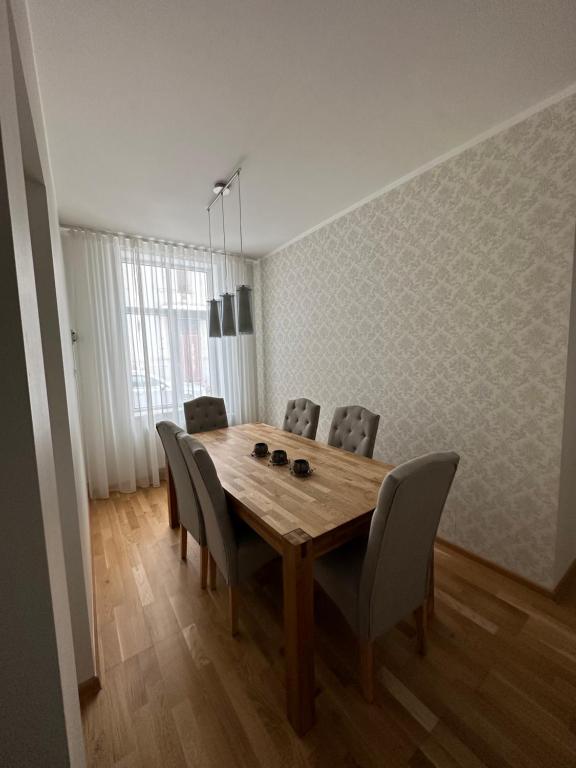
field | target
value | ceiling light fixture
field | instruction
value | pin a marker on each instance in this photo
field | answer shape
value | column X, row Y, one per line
column 222, row 317
column 228, row 316
column 220, row 187
column 243, row 292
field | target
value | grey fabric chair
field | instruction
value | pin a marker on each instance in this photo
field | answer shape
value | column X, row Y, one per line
column 354, row 429
column 234, row 547
column 191, row 520
column 205, row 413
column 378, row 580
column 301, row 417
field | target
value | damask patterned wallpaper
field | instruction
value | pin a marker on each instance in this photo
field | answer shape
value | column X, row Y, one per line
column 443, row 305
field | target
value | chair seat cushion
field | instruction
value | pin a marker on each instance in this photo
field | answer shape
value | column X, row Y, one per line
column 253, row 551
column 339, row 572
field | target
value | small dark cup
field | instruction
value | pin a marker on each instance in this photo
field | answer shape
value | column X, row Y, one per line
column 301, row 467
column 279, row 457
column 261, row 449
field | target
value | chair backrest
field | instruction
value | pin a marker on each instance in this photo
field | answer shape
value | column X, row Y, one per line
column 301, row 417
column 401, row 540
column 220, row 533
column 205, row 413
column 354, row 429
column 188, row 509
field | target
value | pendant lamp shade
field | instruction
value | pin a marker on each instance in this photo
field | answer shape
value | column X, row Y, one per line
column 245, row 324
column 214, row 329
column 228, row 315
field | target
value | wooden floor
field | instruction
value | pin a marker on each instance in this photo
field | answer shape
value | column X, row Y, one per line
column 498, row 687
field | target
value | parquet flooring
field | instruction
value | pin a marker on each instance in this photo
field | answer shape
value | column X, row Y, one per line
column 497, row 688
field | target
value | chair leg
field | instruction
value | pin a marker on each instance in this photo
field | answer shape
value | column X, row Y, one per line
column 430, row 588
column 183, row 542
column 366, row 648
column 172, row 501
column 233, row 609
column 204, row 566
column 211, row 572
column 421, row 616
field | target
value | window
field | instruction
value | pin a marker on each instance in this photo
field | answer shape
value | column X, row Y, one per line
column 166, row 317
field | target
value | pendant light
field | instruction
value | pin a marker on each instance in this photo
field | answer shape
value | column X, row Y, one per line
column 228, row 315
column 245, row 324
column 214, row 329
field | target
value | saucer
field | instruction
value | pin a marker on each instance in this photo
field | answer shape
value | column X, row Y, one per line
column 279, row 464
column 310, row 471
column 264, row 455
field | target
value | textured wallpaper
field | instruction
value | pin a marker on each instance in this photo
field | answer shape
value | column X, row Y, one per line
column 443, row 305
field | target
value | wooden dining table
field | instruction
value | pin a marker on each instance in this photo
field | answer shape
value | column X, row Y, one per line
column 302, row 519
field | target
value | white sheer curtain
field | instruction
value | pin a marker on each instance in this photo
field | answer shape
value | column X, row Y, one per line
column 139, row 309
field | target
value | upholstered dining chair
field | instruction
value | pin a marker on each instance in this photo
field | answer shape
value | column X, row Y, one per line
column 378, row 580
column 234, row 547
column 301, row 417
column 354, row 429
column 191, row 521
column 205, row 413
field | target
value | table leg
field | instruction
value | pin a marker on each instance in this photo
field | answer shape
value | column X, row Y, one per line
column 430, row 588
column 172, row 503
column 211, row 571
column 298, row 575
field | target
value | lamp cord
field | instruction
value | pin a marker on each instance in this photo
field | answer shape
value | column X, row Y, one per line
column 240, row 215
column 224, row 238
column 211, row 256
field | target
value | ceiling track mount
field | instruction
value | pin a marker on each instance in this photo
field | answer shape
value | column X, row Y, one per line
column 225, row 187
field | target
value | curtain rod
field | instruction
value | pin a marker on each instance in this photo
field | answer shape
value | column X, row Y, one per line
column 145, row 238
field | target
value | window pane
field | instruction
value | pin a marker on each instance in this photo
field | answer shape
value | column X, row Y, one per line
column 168, row 335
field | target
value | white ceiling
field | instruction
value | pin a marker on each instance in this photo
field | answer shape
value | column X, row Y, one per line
column 323, row 101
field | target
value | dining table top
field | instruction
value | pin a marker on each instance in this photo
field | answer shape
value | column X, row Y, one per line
column 341, row 490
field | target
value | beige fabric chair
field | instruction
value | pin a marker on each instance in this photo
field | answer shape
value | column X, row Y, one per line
column 205, row 413
column 191, row 520
column 234, row 547
column 354, row 429
column 378, row 580
column 301, row 417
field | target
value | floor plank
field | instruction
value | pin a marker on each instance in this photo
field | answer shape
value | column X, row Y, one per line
column 497, row 688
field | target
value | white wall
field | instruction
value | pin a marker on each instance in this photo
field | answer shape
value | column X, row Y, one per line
column 72, row 513
column 40, row 711
column 58, row 359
